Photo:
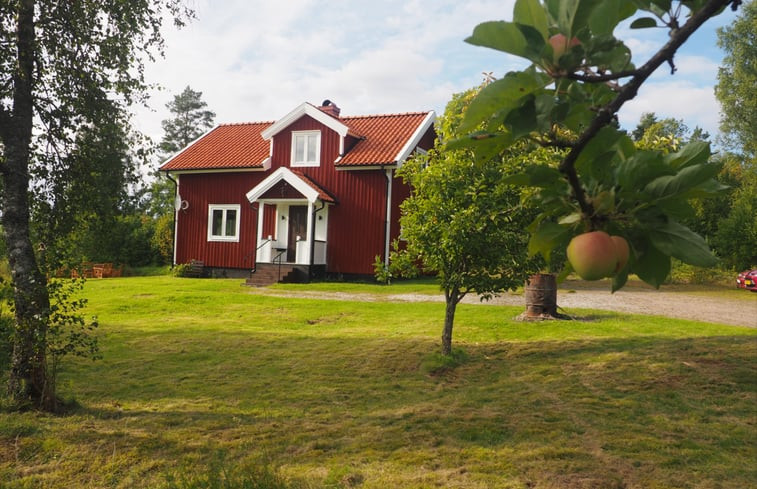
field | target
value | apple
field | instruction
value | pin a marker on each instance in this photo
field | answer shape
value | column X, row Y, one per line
column 560, row 44
column 622, row 250
column 593, row 255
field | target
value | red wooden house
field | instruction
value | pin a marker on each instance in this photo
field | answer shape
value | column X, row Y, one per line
column 310, row 194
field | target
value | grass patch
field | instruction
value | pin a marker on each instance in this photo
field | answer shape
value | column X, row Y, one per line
column 338, row 394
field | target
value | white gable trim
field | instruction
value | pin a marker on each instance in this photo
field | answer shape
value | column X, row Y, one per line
column 289, row 177
column 415, row 138
column 305, row 109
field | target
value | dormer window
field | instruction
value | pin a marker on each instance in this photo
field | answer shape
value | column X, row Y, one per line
column 306, row 148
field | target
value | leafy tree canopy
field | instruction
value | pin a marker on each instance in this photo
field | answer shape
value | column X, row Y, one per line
column 580, row 76
column 190, row 120
column 64, row 66
column 737, row 79
column 462, row 221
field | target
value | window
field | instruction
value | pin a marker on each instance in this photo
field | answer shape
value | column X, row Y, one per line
column 306, row 148
column 223, row 222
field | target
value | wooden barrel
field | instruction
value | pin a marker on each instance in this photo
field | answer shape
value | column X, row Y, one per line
column 541, row 295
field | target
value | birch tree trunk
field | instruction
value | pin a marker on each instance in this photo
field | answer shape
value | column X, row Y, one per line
column 29, row 380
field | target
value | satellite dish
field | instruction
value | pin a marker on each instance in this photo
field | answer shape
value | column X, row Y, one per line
column 177, row 202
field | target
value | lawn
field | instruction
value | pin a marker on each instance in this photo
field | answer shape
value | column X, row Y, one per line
column 199, row 374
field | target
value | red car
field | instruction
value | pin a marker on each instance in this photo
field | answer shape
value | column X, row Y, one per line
column 747, row 280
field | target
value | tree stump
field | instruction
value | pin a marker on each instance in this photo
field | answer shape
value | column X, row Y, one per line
column 541, row 298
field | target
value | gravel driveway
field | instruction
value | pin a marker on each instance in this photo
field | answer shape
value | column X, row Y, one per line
column 671, row 301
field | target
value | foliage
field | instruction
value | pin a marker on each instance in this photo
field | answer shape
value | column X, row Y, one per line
column 462, row 221
column 162, row 238
column 181, row 269
column 6, row 324
column 737, row 78
column 737, row 231
column 68, row 331
column 568, row 99
column 381, row 271
column 190, row 120
column 65, row 69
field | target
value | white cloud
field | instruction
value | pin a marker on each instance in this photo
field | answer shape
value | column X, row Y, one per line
column 256, row 60
column 679, row 99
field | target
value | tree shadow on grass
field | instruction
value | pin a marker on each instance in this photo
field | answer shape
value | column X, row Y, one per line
column 634, row 410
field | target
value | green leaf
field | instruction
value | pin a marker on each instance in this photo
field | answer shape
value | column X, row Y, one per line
column 570, row 218
column 652, row 266
column 643, row 23
column 502, row 36
column 619, row 280
column 599, row 145
column 531, row 12
column 641, row 168
column 502, row 96
column 694, row 153
column 545, row 238
column 535, row 176
column 571, row 16
column 677, row 240
column 608, row 13
column 689, row 177
column 522, row 120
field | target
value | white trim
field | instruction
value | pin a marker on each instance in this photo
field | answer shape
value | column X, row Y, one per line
column 176, row 223
column 225, row 208
column 365, row 167
column 188, row 146
column 306, row 135
column 282, row 173
column 305, row 109
column 246, row 169
column 415, row 138
column 388, row 215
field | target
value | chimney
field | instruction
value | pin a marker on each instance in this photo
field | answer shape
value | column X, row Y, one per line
column 330, row 108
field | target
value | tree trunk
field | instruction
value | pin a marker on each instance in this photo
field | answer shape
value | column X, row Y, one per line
column 452, row 297
column 29, row 380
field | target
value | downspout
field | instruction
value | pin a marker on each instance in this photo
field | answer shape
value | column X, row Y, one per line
column 175, row 215
column 312, row 240
column 388, row 221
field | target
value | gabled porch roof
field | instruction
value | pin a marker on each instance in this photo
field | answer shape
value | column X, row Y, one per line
column 300, row 182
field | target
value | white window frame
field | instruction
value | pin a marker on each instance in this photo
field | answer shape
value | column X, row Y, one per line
column 224, row 208
column 305, row 134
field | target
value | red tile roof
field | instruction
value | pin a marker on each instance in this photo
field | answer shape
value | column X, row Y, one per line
column 236, row 146
column 322, row 194
column 385, row 136
column 225, row 146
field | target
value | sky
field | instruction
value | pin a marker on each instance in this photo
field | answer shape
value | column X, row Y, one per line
column 256, row 60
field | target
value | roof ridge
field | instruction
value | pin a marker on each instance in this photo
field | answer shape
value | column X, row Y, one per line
column 244, row 123
column 391, row 114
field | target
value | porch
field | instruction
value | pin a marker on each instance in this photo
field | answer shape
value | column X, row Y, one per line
column 292, row 226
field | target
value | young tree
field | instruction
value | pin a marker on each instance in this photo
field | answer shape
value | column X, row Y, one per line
column 62, row 65
column 462, row 221
column 737, row 79
column 575, row 87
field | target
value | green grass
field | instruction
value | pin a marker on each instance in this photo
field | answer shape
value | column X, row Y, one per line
column 337, row 394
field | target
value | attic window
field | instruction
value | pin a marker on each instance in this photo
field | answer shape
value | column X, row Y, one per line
column 306, row 148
